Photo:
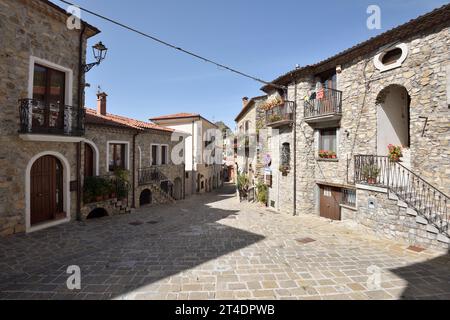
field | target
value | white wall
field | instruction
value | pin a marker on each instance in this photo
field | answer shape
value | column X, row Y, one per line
column 392, row 117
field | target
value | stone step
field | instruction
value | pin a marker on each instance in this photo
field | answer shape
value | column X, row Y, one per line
column 411, row 212
column 421, row 220
column 393, row 196
column 443, row 238
column 432, row 229
column 402, row 204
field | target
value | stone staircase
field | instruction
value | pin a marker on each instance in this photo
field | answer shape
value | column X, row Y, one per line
column 121, row 207
column 430, row 230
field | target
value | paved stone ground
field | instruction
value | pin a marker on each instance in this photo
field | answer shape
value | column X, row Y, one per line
column 213, row 247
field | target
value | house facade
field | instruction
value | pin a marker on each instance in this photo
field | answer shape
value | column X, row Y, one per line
column 265, row 139
column 141, row 149
column 392, row 90
column 204, row 169
column 42, row 115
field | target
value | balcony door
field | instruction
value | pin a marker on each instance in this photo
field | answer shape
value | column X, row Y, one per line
column 49, row 93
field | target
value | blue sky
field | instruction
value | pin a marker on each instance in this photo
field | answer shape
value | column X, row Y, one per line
column 260, row 37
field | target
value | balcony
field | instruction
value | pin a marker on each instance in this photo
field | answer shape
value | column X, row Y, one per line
column 50, row 119
column 280, row 115
column 325, row 106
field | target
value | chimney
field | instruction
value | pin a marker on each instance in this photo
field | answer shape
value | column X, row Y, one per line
column 244, row 101
column 101, row 103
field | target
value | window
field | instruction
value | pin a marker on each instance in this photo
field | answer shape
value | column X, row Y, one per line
column 48, row 85
column 154, row 155
column 187, row 175
column 116, row 156
column 164, row 154
column 392, row 56
column 48, row 89
column 328, row 141
column 285, row 154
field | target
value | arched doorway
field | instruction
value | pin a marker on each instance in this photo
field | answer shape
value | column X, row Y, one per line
column 393, row 120
column 178, row 190
column 145, row 198
column 88, row 161
column 97, row 213
column 46, row 190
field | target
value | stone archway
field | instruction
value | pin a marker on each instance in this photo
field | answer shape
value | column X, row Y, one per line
column 393, row 119
column 145, row 198
column 47, row 191
column 97, row 213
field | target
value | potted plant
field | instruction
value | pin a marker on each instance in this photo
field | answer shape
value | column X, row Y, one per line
column 370, row 173
column 284, row 169
column 263, row 193
column 275, row 118
column 395, row 153
column 333, row 155
column 243, row 185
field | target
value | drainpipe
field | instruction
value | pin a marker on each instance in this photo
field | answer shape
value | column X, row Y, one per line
column 80, row 105
column 133, row 168
column 193, row 157
column 295, row 148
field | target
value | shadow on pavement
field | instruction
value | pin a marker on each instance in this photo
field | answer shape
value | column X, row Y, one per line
column 427, row 280
column 117, row 257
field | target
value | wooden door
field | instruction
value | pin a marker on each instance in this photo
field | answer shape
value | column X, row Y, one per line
column 46, row 190
column 88, row 161
column 330, row 199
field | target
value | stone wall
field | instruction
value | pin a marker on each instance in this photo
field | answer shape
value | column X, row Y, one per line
column 100, row 135
column 29, row 28
column 388, row 219
column 423, row 74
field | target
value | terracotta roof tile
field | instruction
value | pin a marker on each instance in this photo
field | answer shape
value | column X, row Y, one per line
column 176, row 116
column 120, row 121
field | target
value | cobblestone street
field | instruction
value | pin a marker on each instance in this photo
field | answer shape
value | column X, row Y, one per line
column 212, row 247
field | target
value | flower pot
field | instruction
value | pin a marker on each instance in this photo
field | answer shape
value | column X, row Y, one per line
column 371, row 180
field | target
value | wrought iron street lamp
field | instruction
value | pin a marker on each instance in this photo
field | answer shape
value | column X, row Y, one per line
column 99, row 50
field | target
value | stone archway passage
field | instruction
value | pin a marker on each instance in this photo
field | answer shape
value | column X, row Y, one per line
column 145, row 198
column 97, row 213
column 46, row 190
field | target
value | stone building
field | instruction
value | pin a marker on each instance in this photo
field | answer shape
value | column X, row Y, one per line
column 390, row 90
column 42, row 67
column 203, row 156
column 264, row 127
column 145, row 150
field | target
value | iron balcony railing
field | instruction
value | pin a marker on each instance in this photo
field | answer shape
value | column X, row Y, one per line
column 325, row 102
column 281, row 113
column 50, row 118
column 427, row 200
column 152, row 175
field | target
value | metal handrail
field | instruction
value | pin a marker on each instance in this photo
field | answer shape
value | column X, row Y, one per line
column 418, row 193
column 151, row 175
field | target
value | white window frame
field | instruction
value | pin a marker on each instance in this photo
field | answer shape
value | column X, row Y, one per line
column 167, row 154
column 127, row 153
column 318, row 136
column 68, row 94
column 158, row 154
